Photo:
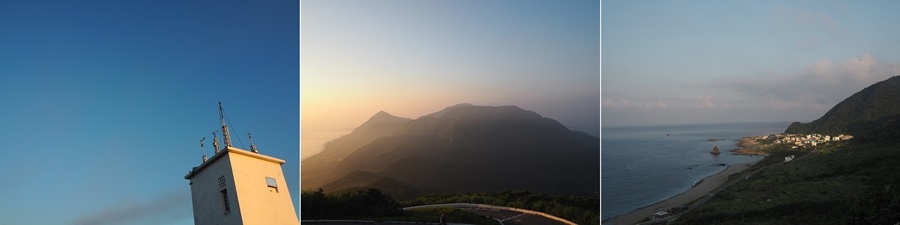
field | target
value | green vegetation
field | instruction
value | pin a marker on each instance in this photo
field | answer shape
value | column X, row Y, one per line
column 776, row 153
column 372, row 204
column 852, row 183
column 766, row 141
column 355, row 204
column 578, row 209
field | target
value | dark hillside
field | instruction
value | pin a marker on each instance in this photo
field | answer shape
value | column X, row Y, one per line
column 863, row 114
column 467, row 148
column 837, row 183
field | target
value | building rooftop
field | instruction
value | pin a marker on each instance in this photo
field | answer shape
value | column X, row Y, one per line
column 231, row 150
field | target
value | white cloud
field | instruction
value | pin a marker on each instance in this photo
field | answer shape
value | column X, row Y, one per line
column 621, row 103
column 860, row 68
column 706, row 102
column 822, row 85
column 821, row 71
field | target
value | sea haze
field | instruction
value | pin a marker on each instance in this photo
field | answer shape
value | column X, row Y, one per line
column 644, row 165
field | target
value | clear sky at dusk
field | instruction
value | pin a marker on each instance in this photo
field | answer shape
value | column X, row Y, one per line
column 103, row 102
column 684, row 62
column 411, row 58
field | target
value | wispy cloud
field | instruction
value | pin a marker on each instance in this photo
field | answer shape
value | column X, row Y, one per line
column 821, row 85
column 169, row 206
column 809, row 19
column 621, row 103
column 705, row 102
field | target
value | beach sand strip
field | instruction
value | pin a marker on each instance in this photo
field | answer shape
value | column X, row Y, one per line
column 708, row 185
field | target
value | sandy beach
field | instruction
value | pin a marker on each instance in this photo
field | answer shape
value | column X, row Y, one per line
column 708, row 185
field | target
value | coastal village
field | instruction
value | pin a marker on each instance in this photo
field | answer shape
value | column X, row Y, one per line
column 751, row 145
column 800, row 140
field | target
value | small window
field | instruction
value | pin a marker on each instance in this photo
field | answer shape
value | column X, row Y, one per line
column 225, row 201
column 271, row 182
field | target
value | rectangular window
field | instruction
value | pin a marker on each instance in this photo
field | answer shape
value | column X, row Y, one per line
column 273, row 187
column 225, row 200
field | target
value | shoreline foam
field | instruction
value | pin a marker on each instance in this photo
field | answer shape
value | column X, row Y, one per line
column 703, row 188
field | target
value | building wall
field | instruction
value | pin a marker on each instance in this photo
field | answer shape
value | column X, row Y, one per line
column 259, row 203
column 209, row 206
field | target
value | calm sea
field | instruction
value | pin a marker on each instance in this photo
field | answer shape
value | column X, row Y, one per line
column 644, row 165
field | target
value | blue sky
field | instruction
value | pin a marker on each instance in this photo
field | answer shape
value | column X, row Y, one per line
column 411, row 58
column 688, row 62
column 103, row 102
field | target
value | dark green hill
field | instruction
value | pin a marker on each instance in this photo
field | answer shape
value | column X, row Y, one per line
column 836, row 183
column 864, row 114
column 467, row 148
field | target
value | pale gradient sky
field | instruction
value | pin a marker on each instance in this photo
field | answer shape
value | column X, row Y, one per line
column 684, row 62
column 411, row 58
column 104, row 102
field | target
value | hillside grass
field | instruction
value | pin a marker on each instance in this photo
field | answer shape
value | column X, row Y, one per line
column 845, row 183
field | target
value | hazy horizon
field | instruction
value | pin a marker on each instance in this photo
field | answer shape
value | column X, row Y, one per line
column 411, row 58
column 683, row 62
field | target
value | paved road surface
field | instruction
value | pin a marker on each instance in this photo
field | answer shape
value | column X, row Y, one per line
column 514, row 218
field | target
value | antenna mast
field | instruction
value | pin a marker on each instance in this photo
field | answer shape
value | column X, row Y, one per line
column 225, row 135
column 252, row 147
column 215, row 141
column 201, row 149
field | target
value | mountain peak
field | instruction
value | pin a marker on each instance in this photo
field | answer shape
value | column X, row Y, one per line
column 382, row 117
column 382, row 114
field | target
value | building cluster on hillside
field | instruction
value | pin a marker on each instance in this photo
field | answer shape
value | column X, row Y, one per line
column 801, row 140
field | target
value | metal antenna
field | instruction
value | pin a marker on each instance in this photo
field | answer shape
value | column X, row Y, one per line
column 215, row 141
column 225, row 135
column 252, row 147
column 201, row 149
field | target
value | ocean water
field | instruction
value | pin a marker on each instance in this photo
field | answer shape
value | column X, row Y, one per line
column 643, row 165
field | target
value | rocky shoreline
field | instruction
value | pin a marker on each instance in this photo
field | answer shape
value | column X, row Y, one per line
column 748, row 146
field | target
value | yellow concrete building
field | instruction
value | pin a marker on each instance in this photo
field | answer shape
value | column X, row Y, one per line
column 237, row 186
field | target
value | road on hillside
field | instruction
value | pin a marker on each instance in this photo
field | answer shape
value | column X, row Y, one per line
column 513, row 218
column 506, row 215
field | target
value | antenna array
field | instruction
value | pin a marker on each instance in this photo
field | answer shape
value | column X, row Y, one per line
column 201, row 149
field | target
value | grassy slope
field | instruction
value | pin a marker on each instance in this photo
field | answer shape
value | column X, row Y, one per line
column 839, row 184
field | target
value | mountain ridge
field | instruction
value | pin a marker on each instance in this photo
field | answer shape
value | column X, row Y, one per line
column 466, row 148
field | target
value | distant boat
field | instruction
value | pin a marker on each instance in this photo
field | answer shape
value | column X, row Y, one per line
column 715, row 150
